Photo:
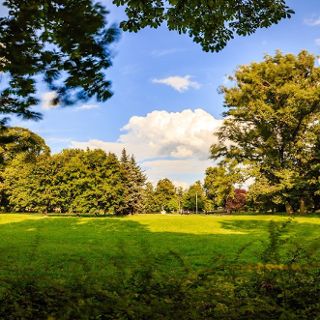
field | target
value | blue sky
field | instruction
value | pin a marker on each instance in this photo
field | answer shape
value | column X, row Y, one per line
column 166, row 103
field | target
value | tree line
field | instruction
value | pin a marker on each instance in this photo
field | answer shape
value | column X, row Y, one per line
column 91, row 181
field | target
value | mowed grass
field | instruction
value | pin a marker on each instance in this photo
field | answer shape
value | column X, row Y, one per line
column 61, row 246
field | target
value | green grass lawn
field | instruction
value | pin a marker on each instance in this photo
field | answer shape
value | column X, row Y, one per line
column 60, row 246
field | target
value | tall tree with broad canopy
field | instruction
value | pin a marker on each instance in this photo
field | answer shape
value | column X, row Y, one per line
column 211, row 23
column 66, row 43
column 272, row 125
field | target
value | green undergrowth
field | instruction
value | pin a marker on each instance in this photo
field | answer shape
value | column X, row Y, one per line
column 159, row 267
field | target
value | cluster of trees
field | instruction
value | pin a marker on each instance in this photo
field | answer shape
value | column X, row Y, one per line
column 93, row 181
column 198, row 198
column 82, row 181
column 166, row 197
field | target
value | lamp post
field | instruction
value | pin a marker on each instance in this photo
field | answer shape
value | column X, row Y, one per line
column 196, row 202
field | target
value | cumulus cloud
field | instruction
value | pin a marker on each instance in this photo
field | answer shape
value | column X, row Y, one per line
column 312, row 22
column 167, row 144
column 178, row 83
column 47, row 100
column 184, row 134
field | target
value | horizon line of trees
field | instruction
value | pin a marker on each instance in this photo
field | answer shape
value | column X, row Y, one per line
column 90, row 181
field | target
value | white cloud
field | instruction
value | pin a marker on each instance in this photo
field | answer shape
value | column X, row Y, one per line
column 184, row 134
column 87, row 107
column 167, row 144
column 178, row 83
column 47, row 99
column 317, row 41
column 312, row 22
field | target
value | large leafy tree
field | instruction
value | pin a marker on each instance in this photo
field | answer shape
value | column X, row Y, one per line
column 100, row 187
column 272, row 125
column 211, row 23
column 63, row 42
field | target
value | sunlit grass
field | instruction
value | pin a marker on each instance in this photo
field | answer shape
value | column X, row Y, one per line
column 10, row 218
column 201, row 224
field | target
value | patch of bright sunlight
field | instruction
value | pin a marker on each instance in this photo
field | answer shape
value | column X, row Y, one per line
column 10, row 218
column 183, row 224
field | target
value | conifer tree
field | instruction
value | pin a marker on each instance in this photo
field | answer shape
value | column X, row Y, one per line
column 134, row 181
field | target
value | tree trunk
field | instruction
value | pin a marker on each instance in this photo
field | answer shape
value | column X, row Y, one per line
column 302, row 206
column 289, row 209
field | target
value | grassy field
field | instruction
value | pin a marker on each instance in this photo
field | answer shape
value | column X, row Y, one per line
column 60, row 246
column 157, row 267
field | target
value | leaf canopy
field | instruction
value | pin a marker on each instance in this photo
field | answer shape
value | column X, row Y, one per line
column 64, row 42
column 211, row 23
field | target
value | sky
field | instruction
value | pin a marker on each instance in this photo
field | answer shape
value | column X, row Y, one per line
column 166, row 105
